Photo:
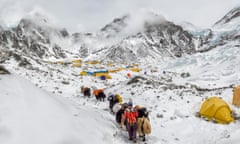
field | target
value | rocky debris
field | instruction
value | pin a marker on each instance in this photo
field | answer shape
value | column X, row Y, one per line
column 3, row 70
column 135, row 79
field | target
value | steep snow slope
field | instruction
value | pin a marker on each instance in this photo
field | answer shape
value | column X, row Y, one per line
column 224, row 31
column 217, row 68
column 230, row 20
column 31, row 115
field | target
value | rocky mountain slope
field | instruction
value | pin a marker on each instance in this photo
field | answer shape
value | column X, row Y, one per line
column 140, row 36
column 225, row 31
column 34, row 38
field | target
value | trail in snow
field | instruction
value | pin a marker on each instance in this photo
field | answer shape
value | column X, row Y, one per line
column 120, row 135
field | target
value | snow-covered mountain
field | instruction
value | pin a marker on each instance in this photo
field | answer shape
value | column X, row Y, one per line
column 137, row 36
column 199, row 63
column 35, row 37
column 225, row 31
column 231, row 18
column 146, row 35
column 164, row 39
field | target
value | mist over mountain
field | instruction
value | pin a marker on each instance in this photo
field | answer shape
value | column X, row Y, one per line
column 138, row 36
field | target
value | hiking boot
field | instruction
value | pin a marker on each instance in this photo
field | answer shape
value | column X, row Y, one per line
column 135, row 140
column 144, row 139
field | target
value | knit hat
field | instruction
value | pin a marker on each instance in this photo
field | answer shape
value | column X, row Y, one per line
column 130, row 104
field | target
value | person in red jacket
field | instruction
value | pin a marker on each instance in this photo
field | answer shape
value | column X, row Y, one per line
column 130, row 116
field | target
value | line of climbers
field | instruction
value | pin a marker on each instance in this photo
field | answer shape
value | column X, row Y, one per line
column 134, row 119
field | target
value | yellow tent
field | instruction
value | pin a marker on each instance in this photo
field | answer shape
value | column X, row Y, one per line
column 107, row 76
column 60, row 62
column 236, row 96
column 76, row 64
column 113, row 70
column 135, row 69
column 94, row 62
column 120, row 69
column 216, row 109
column 82, row 73
column 77, row 61
column 110, row 64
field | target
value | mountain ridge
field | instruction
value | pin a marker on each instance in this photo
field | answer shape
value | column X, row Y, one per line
column 154, row 38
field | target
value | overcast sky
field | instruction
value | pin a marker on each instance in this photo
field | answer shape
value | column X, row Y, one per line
column 91, row 15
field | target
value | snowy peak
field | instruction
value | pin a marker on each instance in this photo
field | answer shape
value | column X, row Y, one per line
column 156, row 41
column 40, row 25
column 35, row 38
column 131, row 23
column 231, row 18
column 224, row 32
column 115, row 26
column 146, row 35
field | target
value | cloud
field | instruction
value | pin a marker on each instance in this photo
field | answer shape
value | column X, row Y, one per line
column 138, row 18
column 11, row 12
column 92, row 15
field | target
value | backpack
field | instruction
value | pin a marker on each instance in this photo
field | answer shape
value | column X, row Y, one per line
column 119, row 98
column 144, row 126
column 142, row 112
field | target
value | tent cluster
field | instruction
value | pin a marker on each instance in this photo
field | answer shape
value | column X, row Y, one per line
column 216, row 109
column 104, row 73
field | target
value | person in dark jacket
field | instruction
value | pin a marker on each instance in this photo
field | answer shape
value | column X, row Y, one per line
column 112, row 101
column 119, row 114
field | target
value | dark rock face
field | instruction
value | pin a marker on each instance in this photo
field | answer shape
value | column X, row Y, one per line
column 33, row 40
column 230, row 16
column 226, row 31
column 157, row 40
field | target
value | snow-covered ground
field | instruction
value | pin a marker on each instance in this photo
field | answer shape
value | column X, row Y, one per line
column 31, row 115
column 58, row 114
